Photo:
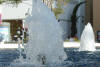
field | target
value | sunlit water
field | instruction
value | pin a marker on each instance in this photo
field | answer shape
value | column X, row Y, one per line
column 45, row 44
column 87, row 39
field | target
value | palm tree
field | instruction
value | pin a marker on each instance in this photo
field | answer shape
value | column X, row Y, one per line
column 74, row 19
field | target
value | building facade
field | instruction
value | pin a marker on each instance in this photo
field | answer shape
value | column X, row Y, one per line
column 12, row 19
column 93, row 16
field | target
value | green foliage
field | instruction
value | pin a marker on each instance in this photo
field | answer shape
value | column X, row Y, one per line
column 67, row 0
column 11, row 1
column 57, row 11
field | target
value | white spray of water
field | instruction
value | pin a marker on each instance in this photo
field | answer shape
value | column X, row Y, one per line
column 87, row 39
column 45, row 44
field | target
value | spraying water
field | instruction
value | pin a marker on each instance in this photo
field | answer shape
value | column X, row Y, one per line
column 87, row 39
column 45, row 44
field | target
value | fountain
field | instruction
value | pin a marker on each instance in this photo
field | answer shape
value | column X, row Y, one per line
column 87, row 39
column 45, row 45
column 45, row 37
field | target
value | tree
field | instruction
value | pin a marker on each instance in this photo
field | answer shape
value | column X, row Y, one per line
column 74, row 19
column 60, row 3
column 11, row 1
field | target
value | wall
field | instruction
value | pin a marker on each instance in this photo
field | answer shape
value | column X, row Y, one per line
column 96, row 16
column 89, row 11
column 14, row 24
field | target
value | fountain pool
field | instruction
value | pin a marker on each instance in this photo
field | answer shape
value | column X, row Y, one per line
column 75, row 58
